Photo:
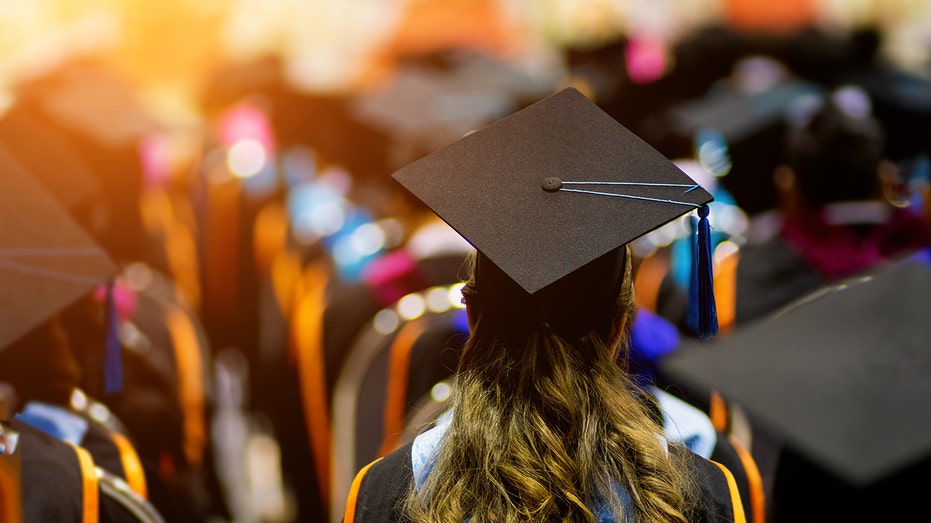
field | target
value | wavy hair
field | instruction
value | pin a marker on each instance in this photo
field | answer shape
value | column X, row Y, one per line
column 546, row 428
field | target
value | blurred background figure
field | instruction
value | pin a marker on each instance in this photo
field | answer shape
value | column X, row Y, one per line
column 152, row 381
column 840, row 209
column 50, row 270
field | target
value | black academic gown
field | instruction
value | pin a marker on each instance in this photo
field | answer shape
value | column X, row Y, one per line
column 377, row 490
column 349, row 307
column 52, row 482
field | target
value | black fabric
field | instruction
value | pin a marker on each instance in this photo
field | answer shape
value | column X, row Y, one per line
column 771, row 276
column 345, row 317
column 350, row 306
column 150, row 406
column 766, row 444
column 287, row 416
column 51, row 480
column 383, row 487
column 98, row 441
column 433, row 357
column 183, row 499
column 804, row 491
column 388, row 481
column 50, row 477
column 276, row 392
column 370, row 413
column 40, row 365
column 726, row 454
column 714, row 503
column 435, row 354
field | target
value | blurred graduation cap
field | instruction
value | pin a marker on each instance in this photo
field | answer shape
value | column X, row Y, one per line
column 902, row 102
column 430, row 101
column 88, row 97
column 552, row 189
column 844, row 375
column 100, row 112
column 748, row 126
column 47, row 261
column 47, row 153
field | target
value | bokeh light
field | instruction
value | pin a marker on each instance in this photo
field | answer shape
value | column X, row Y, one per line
column 246, row 158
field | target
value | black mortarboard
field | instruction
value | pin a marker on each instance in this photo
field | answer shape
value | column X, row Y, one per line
column 844, row 376
column 902, row 102
column 86, row 97
column 550, row 189
column 48, row 154
column 752, row 126
column 47, row 261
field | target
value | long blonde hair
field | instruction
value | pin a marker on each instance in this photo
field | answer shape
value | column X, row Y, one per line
column 546, row 428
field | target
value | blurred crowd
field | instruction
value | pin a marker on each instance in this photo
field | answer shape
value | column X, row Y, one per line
column 272, row 311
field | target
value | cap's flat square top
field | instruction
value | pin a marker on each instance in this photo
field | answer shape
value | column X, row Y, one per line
column 488, row 186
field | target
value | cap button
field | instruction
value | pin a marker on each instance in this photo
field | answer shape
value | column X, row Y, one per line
column 551, row 184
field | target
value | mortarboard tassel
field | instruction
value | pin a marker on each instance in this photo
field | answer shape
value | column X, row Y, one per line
column 113, row 361
column 702, row 317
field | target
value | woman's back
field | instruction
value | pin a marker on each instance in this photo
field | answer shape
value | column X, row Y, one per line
column 547, row 424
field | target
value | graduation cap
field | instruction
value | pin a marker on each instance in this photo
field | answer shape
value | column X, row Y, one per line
column 843, row 376
column 88, row 97
column 48, row 154
column 47, row 261
column 552, row 189
column 902, row 102
column 750, row 125
column 435, row 100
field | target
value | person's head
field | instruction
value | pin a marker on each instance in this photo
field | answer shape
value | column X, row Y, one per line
column 834, row 151
column 593, row 303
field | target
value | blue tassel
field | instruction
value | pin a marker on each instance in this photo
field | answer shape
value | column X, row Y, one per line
column 702, row 317
column 691, row 317
column 113, row 360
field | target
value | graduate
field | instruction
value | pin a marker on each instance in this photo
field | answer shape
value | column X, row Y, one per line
column 546, row 423
column 48, row 264
column 838, row 212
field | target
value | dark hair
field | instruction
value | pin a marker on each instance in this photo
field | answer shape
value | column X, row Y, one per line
column 571, row 307
column 836, row 155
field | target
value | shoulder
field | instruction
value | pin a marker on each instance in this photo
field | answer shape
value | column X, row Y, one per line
column 380, row 487
column 61, row 482
column 50, row 475
column 718, row 496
